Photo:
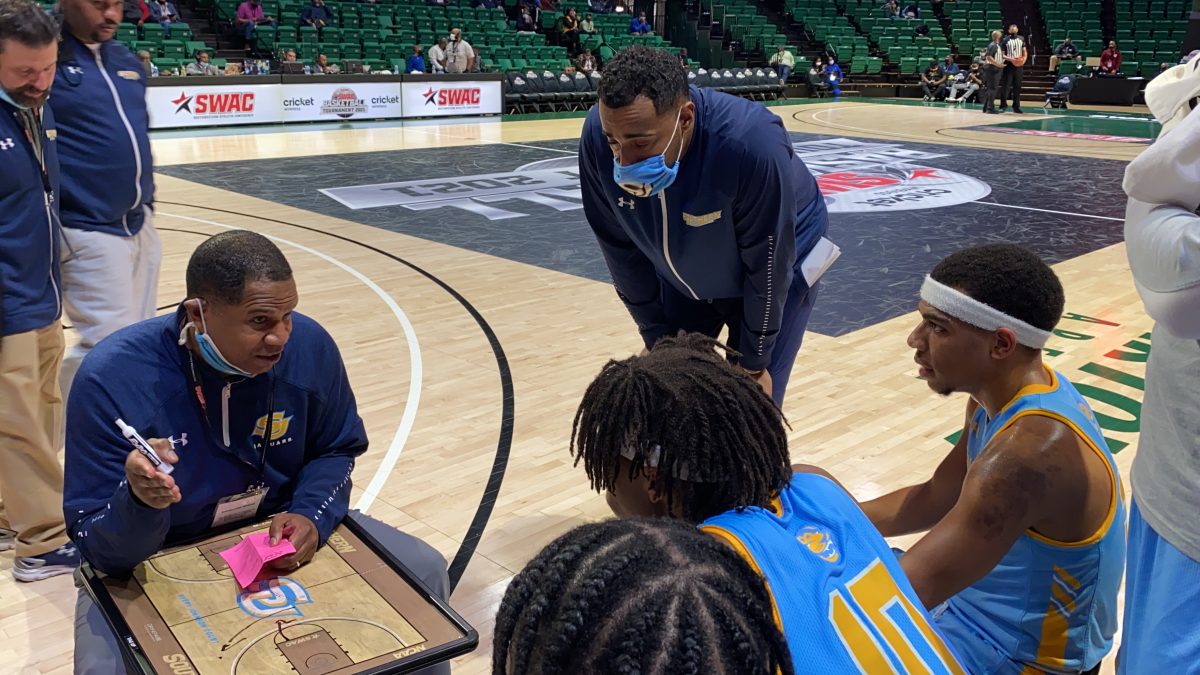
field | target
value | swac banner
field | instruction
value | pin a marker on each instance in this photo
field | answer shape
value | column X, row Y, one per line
column 210, row 105
column 438, row 99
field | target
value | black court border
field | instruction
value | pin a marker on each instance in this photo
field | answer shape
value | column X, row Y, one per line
column 491, row 491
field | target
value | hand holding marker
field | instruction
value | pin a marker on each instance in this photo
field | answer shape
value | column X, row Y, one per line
column 144, row 447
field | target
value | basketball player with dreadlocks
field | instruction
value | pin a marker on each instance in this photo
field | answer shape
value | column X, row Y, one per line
column 681, row 432
column 1026, row 539
column 686, row 605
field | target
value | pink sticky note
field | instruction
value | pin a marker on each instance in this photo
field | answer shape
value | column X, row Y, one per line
column 248, row 558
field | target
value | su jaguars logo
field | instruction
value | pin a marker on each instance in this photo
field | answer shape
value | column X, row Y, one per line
column 280, row 422
column 274, row 598
column 819, row 542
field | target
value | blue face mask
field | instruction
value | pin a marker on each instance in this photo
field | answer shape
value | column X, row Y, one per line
column 5, row 97
column 208, row 349
column 651, row 175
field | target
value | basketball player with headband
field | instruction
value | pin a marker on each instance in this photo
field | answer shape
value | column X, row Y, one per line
column 1026, row 525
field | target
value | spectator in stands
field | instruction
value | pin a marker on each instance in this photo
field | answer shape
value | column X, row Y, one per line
column 250, row 16
column 783, row 62
column 951, row 69
column 459, row 55
column 587, row 27
column 437, row 57
column 922, row 31
column 289, row 56
column 639, row 26
column 151, row 69
column 548, row 5
column 477, row 64
column 202, row 66
column 1065, row 51
column 816, row 75
column 911, row 11
column 1110, row 60
column 164, row 13
column 969, row 85
column 416, row 62
column 891, row 9
column 316, row 15
column 586, row 62
column 833, row 75
column 933, row 82
column 136, row 12
column 321, row 66
column 568, row 32
column 525, row 22
column 981, row 57
column 683, row 57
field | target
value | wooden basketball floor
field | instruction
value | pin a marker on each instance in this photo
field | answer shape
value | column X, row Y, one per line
column 430, row 379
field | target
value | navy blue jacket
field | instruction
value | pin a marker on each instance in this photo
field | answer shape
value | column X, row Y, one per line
column 99, row 101
column 742, row 213
column 30, row 298
column 141, row 375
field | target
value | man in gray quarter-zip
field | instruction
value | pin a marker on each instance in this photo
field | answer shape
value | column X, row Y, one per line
column 1162, row 240
column 705, row 214
column 31, row 337
column 111, row 251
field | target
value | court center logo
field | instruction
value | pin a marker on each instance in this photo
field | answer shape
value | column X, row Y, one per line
column 854, row 176
column 274, row 598
column 820, row 542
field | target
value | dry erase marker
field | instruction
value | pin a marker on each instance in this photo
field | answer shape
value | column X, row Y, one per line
column 144, row 447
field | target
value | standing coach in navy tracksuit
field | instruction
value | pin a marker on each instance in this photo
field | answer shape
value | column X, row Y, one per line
column 703, row 212
column 111, row 250
column 31, row 337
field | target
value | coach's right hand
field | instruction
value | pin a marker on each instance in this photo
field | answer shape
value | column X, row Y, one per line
column 154, row 489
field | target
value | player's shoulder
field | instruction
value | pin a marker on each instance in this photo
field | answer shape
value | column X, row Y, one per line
column 744, row 127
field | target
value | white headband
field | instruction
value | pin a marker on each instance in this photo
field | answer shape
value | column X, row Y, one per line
column 967, row 309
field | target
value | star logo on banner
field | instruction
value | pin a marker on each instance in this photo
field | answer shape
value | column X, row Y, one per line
column 184, row 102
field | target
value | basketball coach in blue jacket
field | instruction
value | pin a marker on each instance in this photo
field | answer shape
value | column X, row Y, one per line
column 703, row 211
column 111, row 250
column 248, row 399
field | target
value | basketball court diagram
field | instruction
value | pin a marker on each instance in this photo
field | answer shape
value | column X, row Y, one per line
column 324, row 617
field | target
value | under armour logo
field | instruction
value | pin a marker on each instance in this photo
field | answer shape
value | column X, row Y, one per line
column 74, row 70
column 182, row 441
column 627, row 203
column 7, row 144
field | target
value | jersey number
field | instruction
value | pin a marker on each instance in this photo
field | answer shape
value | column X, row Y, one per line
column 882, row 630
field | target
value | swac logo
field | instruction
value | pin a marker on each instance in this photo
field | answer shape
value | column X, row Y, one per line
column 452, row 98
column 201, row 105
column 274, row 598
column 819, row 542
column 279, row 425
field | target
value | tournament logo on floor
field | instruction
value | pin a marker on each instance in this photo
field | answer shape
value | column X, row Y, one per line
column 854, row 176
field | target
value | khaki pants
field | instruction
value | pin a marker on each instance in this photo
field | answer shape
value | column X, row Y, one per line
column 31, row 431
column 108, row 283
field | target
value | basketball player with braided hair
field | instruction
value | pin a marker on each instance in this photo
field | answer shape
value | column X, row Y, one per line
column 681, row 432
column 686, row 606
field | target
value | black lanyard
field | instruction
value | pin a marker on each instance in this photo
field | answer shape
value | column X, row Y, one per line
column 37, row 138
column 198, row 389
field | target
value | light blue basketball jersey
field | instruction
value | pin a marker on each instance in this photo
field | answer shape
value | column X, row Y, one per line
column 839, row 593
column 1047, row 606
